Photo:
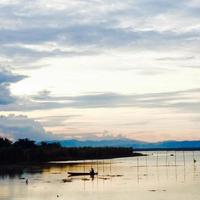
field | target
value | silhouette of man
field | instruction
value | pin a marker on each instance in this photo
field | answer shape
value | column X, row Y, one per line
column 92, row 171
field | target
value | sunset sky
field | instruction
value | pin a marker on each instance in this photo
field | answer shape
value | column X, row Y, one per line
column 100, row 69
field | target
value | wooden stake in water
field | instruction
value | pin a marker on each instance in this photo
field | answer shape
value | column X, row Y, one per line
column 146, row 168
column 157, row 159
column 184, row 158
column 166, row 159
column 97, row 165
column 146, row 161
column 110, row 167
column 175, row 157
column 184, row 166
column 84, row 166
column 166, row 164
column 138, row 170
column 176, row 175
column 91, row 163
column 194, row 160
column 103, row 166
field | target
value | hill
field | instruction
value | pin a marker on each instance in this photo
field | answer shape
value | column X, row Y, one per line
column 136, row 144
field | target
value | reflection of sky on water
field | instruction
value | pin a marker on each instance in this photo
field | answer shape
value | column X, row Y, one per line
column 160, row 175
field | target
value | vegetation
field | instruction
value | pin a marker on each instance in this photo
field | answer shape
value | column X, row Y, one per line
column 26, row 151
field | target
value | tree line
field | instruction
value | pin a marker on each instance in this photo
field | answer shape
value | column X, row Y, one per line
column 28, row 151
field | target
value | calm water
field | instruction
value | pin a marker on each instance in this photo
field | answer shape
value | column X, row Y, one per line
column 157, row 176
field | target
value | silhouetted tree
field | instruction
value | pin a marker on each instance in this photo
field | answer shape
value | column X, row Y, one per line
column 50, row 144
column 25, row 143
column 25, row 150
column 4, row 142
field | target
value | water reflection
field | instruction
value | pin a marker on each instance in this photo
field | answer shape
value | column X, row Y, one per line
column 160, row 171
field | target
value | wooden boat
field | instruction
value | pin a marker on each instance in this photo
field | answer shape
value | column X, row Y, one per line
column 82, row 173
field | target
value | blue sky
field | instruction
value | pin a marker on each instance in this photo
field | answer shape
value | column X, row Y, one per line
column 100, row 69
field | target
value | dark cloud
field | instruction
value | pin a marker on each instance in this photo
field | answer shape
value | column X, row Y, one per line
column 26, row 104
column 182, row 58
column 9, row 77
column 6, row 78
column 94, row 35
column 20, row 126
column 5, row 95
column 185, row 101
column 91, row 26
column 181, row 100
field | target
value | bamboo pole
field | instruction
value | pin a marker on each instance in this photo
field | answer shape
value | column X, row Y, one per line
column 157, row 159
column 184, row 158
column 175, row 158
column 166, row 159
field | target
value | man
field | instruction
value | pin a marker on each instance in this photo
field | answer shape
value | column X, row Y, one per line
column 92, row 171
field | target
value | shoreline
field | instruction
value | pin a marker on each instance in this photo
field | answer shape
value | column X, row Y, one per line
column 70, row 161
column 167, row 149
column 18, row 169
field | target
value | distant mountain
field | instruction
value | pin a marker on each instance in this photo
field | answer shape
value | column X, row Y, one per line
column 136, row 144
column 176, row 144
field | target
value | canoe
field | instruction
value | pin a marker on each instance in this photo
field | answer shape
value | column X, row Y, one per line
column 82, row 173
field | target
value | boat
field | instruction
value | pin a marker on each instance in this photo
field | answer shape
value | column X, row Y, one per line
column 82, row 173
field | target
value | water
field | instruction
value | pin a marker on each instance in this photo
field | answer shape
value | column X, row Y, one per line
column 158, row 176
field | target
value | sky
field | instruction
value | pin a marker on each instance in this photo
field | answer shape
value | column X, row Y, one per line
column 100, row 69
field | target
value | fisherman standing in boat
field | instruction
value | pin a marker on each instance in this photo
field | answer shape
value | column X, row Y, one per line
column 92, row 171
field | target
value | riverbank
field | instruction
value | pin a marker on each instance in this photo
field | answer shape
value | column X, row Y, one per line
column 26, row 151
column 17, row 169
column 72, row 160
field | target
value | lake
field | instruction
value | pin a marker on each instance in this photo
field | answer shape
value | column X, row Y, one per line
column 160, row 175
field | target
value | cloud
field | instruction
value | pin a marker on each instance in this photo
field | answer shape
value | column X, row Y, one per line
column 89, row 27
column 181, row 58
column 186, row 100
column 9, row 77
column 91, row 35
column 52, row 121
column 103, row 135
column 20, row 126
column 6, row 78
column 183, row 100
column 5, row 96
